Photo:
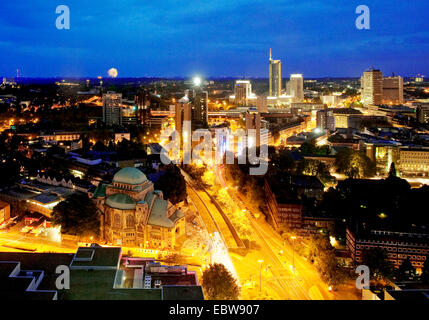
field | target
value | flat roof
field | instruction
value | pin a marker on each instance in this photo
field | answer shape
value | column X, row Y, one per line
column 97, row 257
column 98, row 285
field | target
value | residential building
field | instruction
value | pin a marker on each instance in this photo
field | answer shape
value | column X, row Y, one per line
column 296, row 84
column 325, row 119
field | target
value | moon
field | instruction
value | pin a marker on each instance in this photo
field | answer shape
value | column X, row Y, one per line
column 113, row 73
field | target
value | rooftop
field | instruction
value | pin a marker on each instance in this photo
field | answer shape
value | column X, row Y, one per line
column 130, row 175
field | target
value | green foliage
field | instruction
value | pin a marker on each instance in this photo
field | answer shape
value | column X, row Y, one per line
column 354, row 164
column 196, row 172
column 378, row 262
column 174, row 259
column 322, row 255
column 219, row 284
column 406, row 271
column 77, row 215
column 425, row 271
column 310, row 167
column 310, row 149
column 392, row 170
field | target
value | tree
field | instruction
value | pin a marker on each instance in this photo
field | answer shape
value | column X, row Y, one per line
column 392, row 170
column 406, row 270
column 425, row 271
column 377, row 261
column 219, row 284
column 77, row 215
column 174, row 258
column 172, row 184
column 354, row 164
column 323, row 256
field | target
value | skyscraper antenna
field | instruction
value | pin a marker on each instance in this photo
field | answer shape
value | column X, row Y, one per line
column 270, row 55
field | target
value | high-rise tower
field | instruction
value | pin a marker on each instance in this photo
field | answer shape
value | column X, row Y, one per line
column 112, row 108
column 372, row 87
column 275, row 77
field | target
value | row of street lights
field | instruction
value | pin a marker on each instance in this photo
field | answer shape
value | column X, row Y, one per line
column 260, row 261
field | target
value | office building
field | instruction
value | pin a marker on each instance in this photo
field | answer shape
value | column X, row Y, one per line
column 183, row 112
column 275, row 73
column 262, row 104
column 393, row 90
column 372, row 87
column 112, row 108
column 414, row 161
column 198, row 100
column 296, row 85
column 422, row 111
column 331, row 100
column 399, row 245
column 242, row 92
column 253, row 121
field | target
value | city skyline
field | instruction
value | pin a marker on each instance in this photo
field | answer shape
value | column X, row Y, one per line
column 160, row 40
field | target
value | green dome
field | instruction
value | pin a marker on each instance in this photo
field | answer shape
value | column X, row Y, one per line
column 130, row 176
column 121, row 201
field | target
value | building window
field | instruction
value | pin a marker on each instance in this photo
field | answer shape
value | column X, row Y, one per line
column 130, row 221
column 117, row 222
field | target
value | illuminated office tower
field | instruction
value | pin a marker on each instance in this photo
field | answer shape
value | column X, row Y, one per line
column 372, row 87
column 112, row 108
column 183, row 112
column 297, row 87
column 275, row 77
column 242, row 92
column 198, row 100
column 393, row 90
column 253, row 121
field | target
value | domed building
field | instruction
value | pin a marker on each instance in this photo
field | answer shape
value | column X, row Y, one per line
column 135, row 214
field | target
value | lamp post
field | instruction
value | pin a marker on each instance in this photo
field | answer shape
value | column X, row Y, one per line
column 293, row 253
column 260, row 275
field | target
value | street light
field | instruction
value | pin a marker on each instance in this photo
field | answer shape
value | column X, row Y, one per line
column 260, row 275
column 293, row 253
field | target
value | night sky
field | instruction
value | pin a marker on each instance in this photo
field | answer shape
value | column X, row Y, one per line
column 212, row 38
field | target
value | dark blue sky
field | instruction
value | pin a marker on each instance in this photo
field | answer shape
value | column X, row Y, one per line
column 212, row 38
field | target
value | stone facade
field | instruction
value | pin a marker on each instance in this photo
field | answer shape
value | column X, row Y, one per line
column 134, row 214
